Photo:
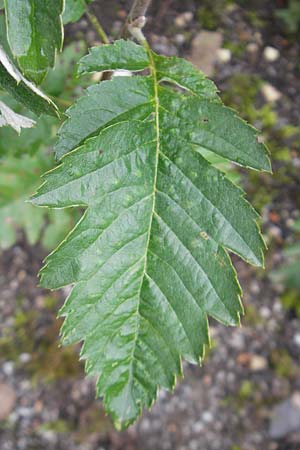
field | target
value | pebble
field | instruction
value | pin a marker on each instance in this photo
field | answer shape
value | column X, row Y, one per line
column 296, row 339
column 275, row 232
column 271, row 54
column 224, row 55
column 207, row 417
column 265, row 312
column 286, row 417
column 252, row 47
column 8, row 368
column 197, row 427
column 258, row 363
column 25, row 358
column 205, row 46
column 179, row 39
column 183, row 19
column 25, row 412
column 8, row 400
column 270, row 93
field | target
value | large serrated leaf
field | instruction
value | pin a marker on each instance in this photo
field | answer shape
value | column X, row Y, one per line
column 35, row 34
column 149, row 259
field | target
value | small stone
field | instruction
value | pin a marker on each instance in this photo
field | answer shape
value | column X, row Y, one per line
column 197, row 427
column 25, row 358
column 21, row 275
column 296, row 339
column 286, row 417
column 204, row 50
column 25, row 412
column 97, row 76
column 275, row 233
column 277, row 307
column 188, row 15
column 207, row 417
column 258, row 363
column 252, row 47
column 122, row 73
column 179, row 39
column 244, row 359
column 183, row 19
column 271, row 54
column 8, row 368
column 290, row 223
column 8, row 400
column 265, row 312
column 270, row 93
column 254, row 287
column 224, row 55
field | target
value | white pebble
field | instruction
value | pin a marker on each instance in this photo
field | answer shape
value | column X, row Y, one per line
column 8, row 367
column 252, row 47
column 270, row 93
column 25, row 358
column 224, row 55
column 179, row 39
column 265, row 312
column 296, row 339
column 207, row 417
column 271, row 54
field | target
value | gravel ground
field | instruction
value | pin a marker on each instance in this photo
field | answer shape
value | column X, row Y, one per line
column 227, row 404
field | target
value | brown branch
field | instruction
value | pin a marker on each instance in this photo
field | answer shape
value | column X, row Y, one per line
column 138, row 9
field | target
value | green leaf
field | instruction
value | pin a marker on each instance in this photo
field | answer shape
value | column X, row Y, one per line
column 23, row 90
column 74, row 9
column 130, row 56
column 149, row 259
column 19, row 178
column 35, row 34
column 121, row 55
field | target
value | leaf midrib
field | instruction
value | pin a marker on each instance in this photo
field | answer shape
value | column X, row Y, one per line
column 157, row 151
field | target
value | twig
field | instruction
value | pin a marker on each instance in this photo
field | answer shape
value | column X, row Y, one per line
column 96, row 24
column 137, row 20
column 138, row 9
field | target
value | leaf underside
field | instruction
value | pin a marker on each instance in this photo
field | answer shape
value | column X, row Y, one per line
column 149, row 259
column 12, row 81
column 35, row 34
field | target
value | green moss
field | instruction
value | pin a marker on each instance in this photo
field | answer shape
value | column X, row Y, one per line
column 209, row 14
column 255, row 20
column 58, row 426
column 283, row 365
column 291, row 300
column 93, row 420
column 208, row 18
column 252, row 316
column 246, row 390
column 236, row 48
column 48, row 361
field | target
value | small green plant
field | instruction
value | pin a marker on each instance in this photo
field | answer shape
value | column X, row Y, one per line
column 288, row 275
column 290, row 15
column 148, row 260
